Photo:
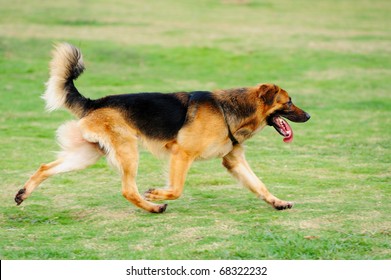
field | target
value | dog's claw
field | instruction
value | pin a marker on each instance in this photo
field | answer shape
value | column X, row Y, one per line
column 163, row 208
column 283, row 206
column 18, row 196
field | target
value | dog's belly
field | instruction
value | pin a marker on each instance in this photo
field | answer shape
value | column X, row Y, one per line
column 215, row 150
column 164, row 149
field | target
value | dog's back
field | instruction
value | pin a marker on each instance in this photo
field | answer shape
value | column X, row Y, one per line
column 157, row 116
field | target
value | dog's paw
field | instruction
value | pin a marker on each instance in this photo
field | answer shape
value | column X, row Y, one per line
column 161, row 194
column 159, row 209
column 149, row 195
column 19, row 196
column 282, row 205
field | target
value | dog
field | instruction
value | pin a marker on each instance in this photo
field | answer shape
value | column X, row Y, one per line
column 185, row 126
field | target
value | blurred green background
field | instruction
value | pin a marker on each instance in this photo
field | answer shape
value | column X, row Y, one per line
column 333, row 57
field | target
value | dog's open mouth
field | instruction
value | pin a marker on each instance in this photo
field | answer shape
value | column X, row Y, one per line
column 282, row 127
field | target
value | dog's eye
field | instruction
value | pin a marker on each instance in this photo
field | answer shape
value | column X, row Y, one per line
column 289, row 103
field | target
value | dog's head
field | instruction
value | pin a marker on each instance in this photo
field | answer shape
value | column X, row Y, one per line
column 277, row 105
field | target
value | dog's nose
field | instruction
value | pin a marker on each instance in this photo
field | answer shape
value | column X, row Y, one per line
column 308, row 116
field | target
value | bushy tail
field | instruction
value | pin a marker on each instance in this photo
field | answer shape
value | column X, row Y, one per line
column 65, row 66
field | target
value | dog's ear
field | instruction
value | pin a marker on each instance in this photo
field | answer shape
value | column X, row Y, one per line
column 267, row 93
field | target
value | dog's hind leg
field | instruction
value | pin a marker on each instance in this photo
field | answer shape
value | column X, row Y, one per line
column 180, row 163
column 111, row 131
column 237, row 165
column 76, row 154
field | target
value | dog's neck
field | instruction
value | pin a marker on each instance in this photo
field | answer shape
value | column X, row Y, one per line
column 239, row 108
column 230, row 135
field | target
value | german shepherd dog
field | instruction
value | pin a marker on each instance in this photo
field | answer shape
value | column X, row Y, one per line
column 185, row 126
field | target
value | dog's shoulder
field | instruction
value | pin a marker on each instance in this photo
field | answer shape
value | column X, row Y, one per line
column 237, row 103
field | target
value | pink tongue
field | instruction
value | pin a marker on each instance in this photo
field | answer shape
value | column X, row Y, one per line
column 288, row 132
column 288, row 139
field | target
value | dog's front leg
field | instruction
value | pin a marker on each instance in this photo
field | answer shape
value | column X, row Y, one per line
column 180, row 163
column 236, row 164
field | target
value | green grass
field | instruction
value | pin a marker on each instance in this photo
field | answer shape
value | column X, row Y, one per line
column 333, row 57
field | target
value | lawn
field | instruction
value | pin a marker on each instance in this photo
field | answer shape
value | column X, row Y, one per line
column 333, row 57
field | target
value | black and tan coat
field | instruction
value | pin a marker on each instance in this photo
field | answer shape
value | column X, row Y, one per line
column 184, row 126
